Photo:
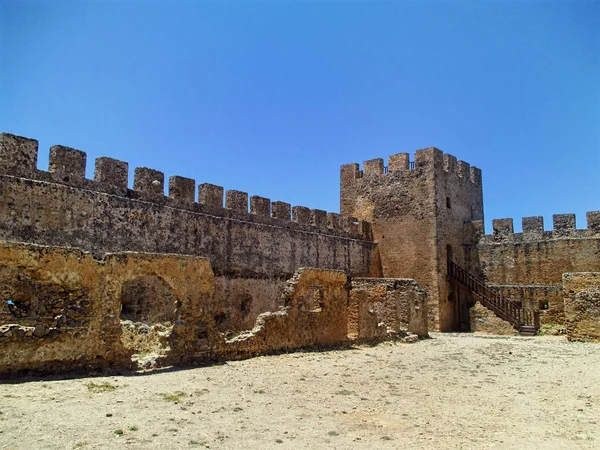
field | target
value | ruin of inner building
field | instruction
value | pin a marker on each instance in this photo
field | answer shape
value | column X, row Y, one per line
column 95, row 273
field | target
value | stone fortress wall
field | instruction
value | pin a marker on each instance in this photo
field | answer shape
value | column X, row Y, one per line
column 252, row 253
column 95, row 273
column 73, row 298
column 528, row 267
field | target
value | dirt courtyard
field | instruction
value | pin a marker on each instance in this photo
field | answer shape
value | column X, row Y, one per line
column 450, row 391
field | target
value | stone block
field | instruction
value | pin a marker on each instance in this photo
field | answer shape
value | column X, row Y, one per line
column 236, row 200
column 182, row 188
column 18, row 155
column 67, row 163
column 210, row 195
column 260, row 206
column 149, row 181
column 281, row 210
column 112, row 172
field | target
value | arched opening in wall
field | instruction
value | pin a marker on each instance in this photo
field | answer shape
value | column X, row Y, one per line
column 147, row 299
column 148, row 312
column 455, row 309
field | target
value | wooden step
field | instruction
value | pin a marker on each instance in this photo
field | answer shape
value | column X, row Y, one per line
column 527, row 330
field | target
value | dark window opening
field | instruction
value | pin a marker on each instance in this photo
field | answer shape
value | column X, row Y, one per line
column 449, row 253
column 245, row 304
column 220, row 318
column 16, row 308
column 448, row 202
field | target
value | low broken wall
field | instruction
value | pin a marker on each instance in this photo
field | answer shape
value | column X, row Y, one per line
column 315, row 315
column 61, row 309
column 582, row 306
column 384, row 308
column 483, row 320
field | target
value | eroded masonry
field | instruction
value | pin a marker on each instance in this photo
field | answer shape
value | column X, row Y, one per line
column 96, row 274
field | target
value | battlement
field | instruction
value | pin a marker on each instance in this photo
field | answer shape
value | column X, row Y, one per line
column 67, row 166
column 533, row 229
column 424, row 160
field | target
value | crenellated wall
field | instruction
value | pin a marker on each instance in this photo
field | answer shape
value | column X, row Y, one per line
column 419, row 212
column 537, row 256
column 529, row 266
column 252, row 251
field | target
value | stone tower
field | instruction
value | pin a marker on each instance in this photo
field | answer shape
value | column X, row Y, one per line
column 423, row 213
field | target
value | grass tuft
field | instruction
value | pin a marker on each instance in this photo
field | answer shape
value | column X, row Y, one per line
column 174, row 397
column 100, row 387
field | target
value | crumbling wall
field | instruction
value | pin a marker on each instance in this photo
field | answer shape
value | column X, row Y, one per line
column 314, row 315
column 582, row 306
column 61, row 309
column 527, row 267
column 386, row 308
column 252, row 252
column 54, row 312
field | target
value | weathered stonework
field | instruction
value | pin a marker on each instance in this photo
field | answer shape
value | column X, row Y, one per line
column 419, row 214
column 96, row 274
column 386, row 308
column 61, row 309
column 252, row 254
column 582, row 306
column 314, row 315
column 528, row 267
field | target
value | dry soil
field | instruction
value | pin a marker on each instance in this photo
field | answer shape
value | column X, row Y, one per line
column 450, row 391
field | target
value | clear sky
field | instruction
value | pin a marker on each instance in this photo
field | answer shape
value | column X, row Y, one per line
column 271, row 97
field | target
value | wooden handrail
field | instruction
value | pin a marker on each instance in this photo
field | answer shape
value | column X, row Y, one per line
column 506, row 310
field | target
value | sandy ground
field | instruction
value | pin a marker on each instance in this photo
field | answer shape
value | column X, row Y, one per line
column 451, row 391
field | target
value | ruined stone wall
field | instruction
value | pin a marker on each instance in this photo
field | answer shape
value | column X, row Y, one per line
column 418, row 211
column 386, row 308
column 582, row 306
column 61, row 309
column 529, row 266
column 483, row 320
column 314, row 315
column 252, row 253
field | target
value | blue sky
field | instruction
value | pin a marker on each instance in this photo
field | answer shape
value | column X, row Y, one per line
column 271, row 97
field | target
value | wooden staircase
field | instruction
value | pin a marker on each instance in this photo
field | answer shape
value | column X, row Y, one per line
column 527, row 322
